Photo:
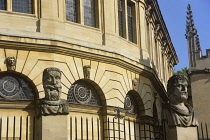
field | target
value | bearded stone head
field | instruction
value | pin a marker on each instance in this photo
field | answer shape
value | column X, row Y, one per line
column 177, row 88
column 11, row 63
column 52, row 83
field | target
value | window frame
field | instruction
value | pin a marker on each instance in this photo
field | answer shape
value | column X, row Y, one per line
column 125, row 29
column 81, row 16
column 34, row 6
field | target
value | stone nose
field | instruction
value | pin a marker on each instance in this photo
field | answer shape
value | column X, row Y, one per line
column 53, row 80
column 184, row 88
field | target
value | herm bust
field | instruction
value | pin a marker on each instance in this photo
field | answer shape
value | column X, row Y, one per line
column 51, row 104
column 177, row 112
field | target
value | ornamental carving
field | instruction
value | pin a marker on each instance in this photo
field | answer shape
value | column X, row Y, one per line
column 130, row 105
column 157, row 30
column 163, row 45
column 148, row 12
column 86, row 70
column 83, row 93
column 11, row 63
column 14, row 88
column 51, row 104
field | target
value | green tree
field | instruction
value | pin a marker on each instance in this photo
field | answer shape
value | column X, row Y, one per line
column 182, row 71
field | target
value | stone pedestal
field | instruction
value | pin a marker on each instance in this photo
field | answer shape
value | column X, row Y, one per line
column 52, row 128
column 182, row 133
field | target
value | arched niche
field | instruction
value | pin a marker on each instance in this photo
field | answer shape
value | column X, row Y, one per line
column 16, row 86
column 133, row 103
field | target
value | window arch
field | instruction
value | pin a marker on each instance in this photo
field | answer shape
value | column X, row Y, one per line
column 133, row 103
column 82, row 92
column 15, row 87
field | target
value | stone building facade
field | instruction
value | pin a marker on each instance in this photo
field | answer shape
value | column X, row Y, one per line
column 115, row 57
column 199, row 71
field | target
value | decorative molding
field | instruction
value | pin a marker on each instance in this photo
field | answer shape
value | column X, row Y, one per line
column 148, row 12
column 74, row 50
column 157, row 31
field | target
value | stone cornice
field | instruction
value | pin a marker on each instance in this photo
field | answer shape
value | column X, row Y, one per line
column 158, row 17
column 75, row 50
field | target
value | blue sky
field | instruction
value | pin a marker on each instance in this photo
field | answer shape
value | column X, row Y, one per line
column 174, row 14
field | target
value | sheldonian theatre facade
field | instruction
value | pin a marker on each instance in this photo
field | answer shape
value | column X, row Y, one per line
column 108, row 62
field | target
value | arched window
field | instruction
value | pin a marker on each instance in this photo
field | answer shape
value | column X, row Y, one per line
column 15, row 87
column 130, row 104
column 82, row 92
column 22, row 6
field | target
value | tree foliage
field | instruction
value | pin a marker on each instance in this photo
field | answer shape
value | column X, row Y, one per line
column 182, row 71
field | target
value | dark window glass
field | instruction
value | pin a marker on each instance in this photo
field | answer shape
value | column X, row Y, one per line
column 71, row 10
column 130, row 23
column 120, row 17
column 22, row 6
column 89, row 12
column 2, row 4
column 15, row 88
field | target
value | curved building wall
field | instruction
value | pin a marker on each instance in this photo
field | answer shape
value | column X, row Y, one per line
column 135, row 55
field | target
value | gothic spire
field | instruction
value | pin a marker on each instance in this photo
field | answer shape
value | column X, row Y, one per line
column 191, row 31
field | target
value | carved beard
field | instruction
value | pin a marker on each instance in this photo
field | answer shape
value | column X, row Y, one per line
column 52, row 92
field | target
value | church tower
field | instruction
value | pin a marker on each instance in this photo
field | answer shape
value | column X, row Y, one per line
column 194, row 50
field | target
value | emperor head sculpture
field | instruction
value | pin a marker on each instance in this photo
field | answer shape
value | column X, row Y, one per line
column 51, row 104
column 177, row 112
column 52, row 83
column 11, row 63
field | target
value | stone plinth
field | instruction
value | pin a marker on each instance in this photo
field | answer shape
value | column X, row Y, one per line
column 182, row 133
column 52, row 128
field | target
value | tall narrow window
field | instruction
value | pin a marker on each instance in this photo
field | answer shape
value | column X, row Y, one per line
column 2, row 4
column 22, row 6
column 71, row 10
column 89, row 13
column 120, row 17
column 130, row 22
